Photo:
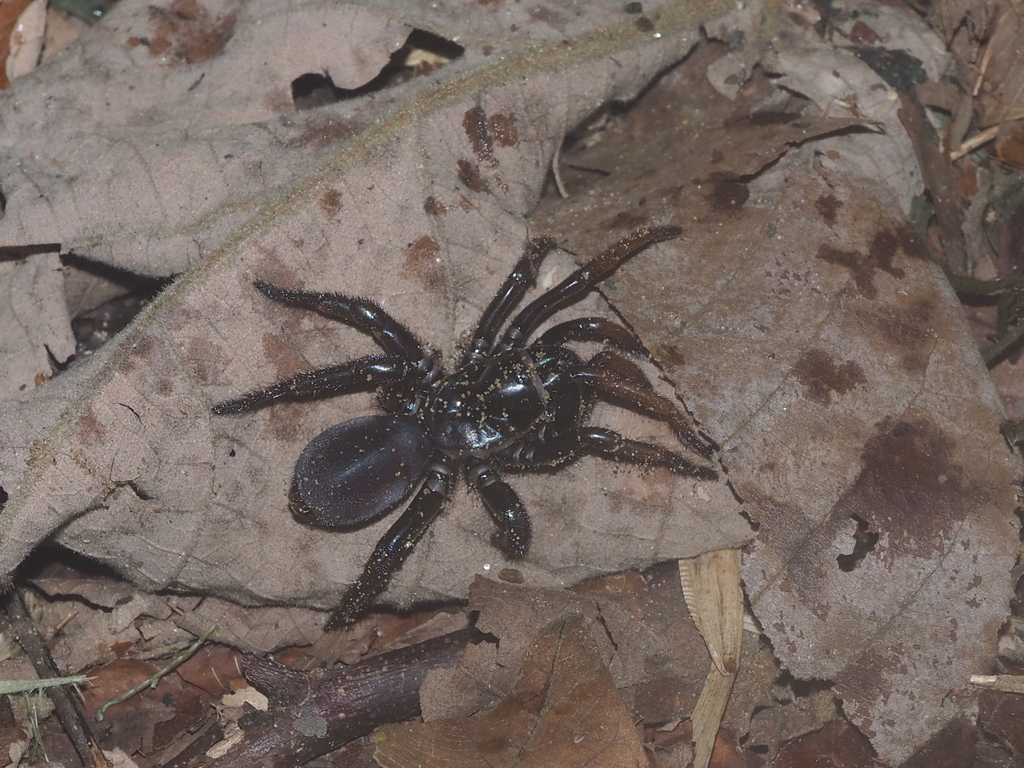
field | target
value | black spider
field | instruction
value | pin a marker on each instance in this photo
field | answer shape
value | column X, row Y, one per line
column 509, row 404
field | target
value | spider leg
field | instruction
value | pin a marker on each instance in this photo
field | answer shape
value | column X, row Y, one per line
column 396, row 545
column 581, row 281
column 366, row 315
column 616, row 366
column 354, row 376
column 619, row 382
column 505, row 508
column 516, row 284
column 594, row 329
column 564, row 447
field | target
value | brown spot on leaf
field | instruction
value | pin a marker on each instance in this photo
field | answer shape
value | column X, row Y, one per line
column 511, row 575
column 727, row 196
column 286, row 362
column 828, row 207
column 91, row 431
column 323, row 131
column 474, row 123
column 139, row 355
column 553, row 19
column 887, row 241
column 186, row 33
column 644, row 24
column 670, row 353
column 504, row 131
column 421, row 262
column 330, row 203
column 862, row 34
column 484, row 133
column 910, row 491
column 817, row 371
column 433, row 207
column 881, row 255
column 910, row 329
column 205, row 366
column 469, row 175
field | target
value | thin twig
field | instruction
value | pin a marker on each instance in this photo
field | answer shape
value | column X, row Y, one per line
column 69, row 713
column 160, row 674
column 974, row 142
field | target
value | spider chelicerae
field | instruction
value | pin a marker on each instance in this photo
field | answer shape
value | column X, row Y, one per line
column 511, row 404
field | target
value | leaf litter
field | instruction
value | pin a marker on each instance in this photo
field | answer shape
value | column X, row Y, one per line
column 799, row 319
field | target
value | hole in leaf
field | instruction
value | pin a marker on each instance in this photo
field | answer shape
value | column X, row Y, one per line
column 114, row 301
column 863, row 542
column 423, row 53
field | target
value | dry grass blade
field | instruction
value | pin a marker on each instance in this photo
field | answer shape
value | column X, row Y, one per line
column 712, row 590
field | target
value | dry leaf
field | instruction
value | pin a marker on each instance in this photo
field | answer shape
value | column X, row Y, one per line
column 711, row 587
column 647, row 640
column 1001, row 99
column 26, row 40
column 563, row 711
column 11, row 14
column 37, row 329
column 837, row 743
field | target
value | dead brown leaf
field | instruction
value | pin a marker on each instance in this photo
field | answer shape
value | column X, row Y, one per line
column 1002, row 94
column 838, row 744
column 653, row 651
column 149, row 720
column 986, row 40
column 563, row 711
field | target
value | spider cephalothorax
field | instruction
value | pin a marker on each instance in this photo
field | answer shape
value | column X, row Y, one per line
column 510, row 404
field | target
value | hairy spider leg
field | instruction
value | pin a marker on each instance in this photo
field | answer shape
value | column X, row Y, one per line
column 509, row 515
column 406, row 355
column 644, row 399
column 360, row 375
column 552, row 450
column 581, row 281
column 611, row 364
column 597, row 329
column 564, row 439
column 396, row 545
column 510, row 293
column 360, row 313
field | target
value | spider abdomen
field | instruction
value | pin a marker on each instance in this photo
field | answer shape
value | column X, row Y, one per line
column 358, row 470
